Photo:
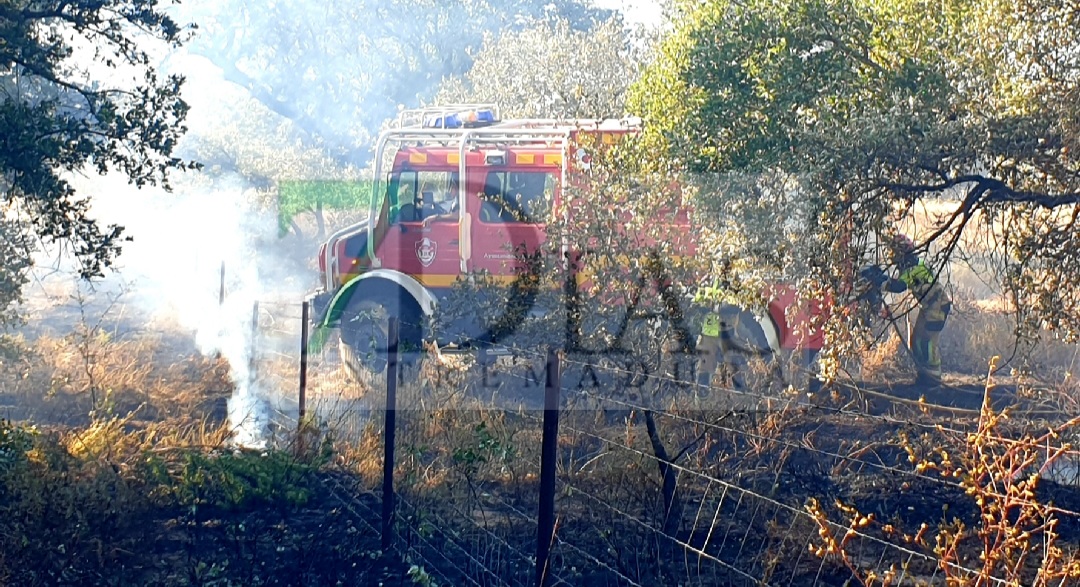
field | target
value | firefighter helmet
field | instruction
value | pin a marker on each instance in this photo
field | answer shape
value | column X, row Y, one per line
column 902, row 244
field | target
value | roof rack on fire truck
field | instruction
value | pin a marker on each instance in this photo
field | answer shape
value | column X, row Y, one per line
column 449, row 116
column 486, row 116
column 590, row 124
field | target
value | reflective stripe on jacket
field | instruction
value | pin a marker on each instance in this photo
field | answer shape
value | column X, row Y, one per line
column 707, row 296
column 710, row 326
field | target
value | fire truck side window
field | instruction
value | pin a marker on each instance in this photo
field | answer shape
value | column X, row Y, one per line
column 421, row 194
column 402, row 190
column 514, row 196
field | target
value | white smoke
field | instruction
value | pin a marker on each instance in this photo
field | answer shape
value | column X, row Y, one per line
column 189, row 248
column 172, row 269
column 647, row 13
column 198, row 259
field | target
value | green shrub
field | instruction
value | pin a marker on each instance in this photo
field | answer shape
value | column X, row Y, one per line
column 243, row 480
column 63, row 520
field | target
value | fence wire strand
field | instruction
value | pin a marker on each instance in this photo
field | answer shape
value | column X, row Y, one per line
column 710, row 495
column 501, row 541
column 754, row 495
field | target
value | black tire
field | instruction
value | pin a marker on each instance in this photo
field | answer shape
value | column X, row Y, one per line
column 363, row 342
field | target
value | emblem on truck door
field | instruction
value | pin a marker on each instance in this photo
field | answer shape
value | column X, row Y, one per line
column 425, row 251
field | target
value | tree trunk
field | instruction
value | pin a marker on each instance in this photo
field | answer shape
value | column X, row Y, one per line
column 320, row 221
column 669, row 488
column 296, row 229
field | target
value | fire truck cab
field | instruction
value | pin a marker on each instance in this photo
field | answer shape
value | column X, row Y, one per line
column 457, row 190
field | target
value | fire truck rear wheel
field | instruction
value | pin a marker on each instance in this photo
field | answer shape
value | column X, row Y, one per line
column 364, row 340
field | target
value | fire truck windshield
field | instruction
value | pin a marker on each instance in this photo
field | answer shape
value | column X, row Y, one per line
column 416, row 195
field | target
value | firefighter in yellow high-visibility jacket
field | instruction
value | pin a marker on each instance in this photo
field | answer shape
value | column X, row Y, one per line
column 717, row 339
column 934, row 308
column 708, row 342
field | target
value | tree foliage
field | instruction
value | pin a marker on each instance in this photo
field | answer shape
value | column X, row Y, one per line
column 77, row 87
column 866, row 112
column 338, row 70
column 551, row 71
column 253, row 142
column 299, row 196
column 243, row 139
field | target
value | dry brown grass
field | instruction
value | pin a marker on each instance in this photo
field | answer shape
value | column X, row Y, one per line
column 468, row 464
column 76, row 379
column 977, row 330
column 886, row 361
column 461, row 452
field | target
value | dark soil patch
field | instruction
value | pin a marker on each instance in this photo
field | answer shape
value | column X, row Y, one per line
column 63, row 527
column 954, row 396
column 328, row 541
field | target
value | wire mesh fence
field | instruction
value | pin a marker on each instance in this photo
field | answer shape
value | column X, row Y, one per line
column 659, row 480
column 333, row 401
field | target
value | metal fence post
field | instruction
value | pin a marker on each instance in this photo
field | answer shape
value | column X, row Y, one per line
column 305, row 312
column 253, row 363
column 221, row 292
column 388, row 434
column 545, row 532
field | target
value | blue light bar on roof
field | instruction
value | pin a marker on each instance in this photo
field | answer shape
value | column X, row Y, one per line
column 465, row 118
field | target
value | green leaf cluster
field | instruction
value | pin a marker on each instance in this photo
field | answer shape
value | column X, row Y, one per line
column 817, row 128
column 62, row 113
column 58, row 512
column 299, row 196
column 243, row 480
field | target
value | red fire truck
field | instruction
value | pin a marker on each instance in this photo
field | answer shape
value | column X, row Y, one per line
column 457, row 192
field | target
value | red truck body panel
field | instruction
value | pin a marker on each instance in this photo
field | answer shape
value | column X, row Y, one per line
column 425, row 180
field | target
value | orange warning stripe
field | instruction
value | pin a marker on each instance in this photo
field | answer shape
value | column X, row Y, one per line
column 441, row 280
column 536, row 158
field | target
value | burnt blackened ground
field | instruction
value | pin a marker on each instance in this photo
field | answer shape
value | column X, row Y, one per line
column 215, row 520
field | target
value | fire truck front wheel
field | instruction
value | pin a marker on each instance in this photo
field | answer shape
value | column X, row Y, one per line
column 364, row 342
